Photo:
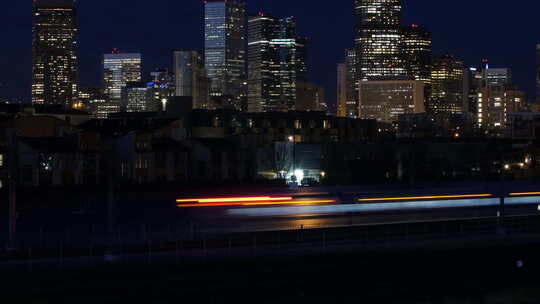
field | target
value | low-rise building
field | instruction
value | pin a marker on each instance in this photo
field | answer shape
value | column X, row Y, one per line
column 385, row 100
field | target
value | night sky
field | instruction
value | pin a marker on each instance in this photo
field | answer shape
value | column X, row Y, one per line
column 470, row 30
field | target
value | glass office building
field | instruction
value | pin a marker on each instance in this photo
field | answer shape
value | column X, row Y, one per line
column 417, row 52
column 54, row 52
column 447, row 93
column 378, row 39
column 224, row 50
column 276, row 63
column 118, row 70
column 351, row 63
column 190, row 78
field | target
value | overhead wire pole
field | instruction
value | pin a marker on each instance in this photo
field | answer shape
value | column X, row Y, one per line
column 12, row 185
column 110, row 161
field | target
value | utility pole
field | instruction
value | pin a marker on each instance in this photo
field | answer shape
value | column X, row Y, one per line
column 110, row 162
column 294, row 178
column 12, row 185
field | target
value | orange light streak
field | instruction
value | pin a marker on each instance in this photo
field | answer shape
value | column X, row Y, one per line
column 267, row 203
column 423, row 197
column 289, row 203
column 234, row 199
column 525, row 194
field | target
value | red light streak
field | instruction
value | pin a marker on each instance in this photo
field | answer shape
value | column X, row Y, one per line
column 234, row 199
column 245, row 201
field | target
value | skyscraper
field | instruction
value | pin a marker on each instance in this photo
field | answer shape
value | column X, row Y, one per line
column 190, row 78
column 342, row 90
column 446, row 86
column 119, row 69
column 351, row 62
column 54, row 48
column 224, row 48
column 378, row 39
column 348, row 86
column 276, row 63
column 417, row 52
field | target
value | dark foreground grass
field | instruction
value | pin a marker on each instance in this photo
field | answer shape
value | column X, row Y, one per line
column 475, row 276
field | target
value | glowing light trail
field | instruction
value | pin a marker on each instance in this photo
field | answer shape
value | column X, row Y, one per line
column 423, row 197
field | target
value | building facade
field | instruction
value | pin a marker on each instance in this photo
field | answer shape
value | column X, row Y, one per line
column 347, row 99
column 190, row 78
column 386, row 100
column 497, row 76
column 495, row 102
column 54, row 52
column 309, row 97
column 447, row 93
column 342, row 90
column 160, row 89
column 118, row 70
column 136, row 97
column 379, row 39
column 276, row 62
column 224, row 51
column 417, row 52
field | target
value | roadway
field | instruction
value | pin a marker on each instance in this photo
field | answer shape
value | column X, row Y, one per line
column 138, row 218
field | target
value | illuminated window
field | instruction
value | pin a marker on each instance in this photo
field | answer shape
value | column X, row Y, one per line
column 1, row 160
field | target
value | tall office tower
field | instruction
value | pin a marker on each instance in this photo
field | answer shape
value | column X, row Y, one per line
column 342, row 90
column 264, row 90
column 190, row 78
column 446, row 85
column 472, row 80
column 276, row 63
column 301, row 69
column 224, row 51
column 351, row 62
column 119, row 69
column 417, row 52
column 54, row 48
column 378, row 39
column 348, row 86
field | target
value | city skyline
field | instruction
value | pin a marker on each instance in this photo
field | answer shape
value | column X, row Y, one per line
column 326, row 55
